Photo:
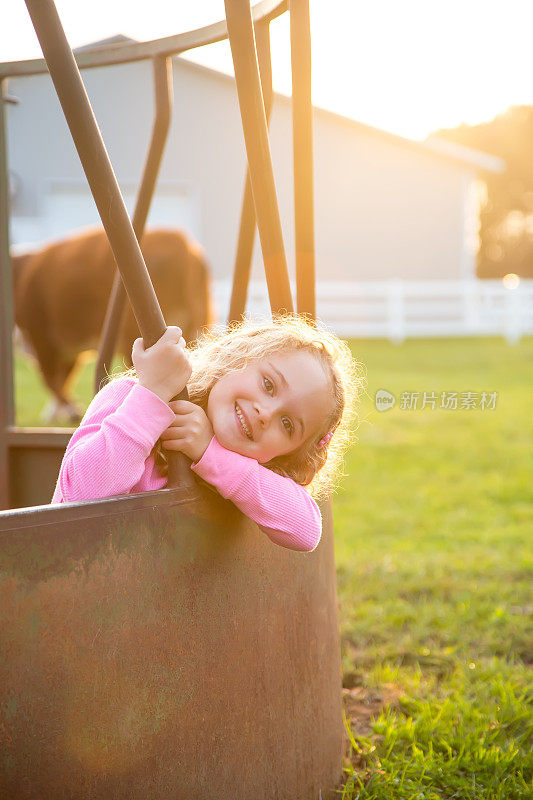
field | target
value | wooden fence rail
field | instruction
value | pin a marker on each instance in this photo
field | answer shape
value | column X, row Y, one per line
column 397, row 310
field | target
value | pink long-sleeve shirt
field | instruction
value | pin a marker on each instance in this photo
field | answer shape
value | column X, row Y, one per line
column 110, row 454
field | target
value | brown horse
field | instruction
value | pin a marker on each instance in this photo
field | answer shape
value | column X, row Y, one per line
column 61, row 294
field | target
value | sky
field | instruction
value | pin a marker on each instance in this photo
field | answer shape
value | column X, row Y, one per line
column 407, row 66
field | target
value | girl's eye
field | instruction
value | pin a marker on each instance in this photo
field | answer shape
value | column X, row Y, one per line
column 287, row 424
column 269, row 386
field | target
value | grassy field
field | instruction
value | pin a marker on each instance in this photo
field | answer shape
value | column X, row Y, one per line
column 433, row 527
column 434, row 554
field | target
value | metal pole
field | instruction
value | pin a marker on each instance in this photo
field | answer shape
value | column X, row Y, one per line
column 97, row 167
column 117, row 300
column 104, row 187
column 245, row 246
column 241, row 37
column 7, row 406
column 302, row 132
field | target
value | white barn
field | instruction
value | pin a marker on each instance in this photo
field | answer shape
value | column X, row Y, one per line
column 386, row 208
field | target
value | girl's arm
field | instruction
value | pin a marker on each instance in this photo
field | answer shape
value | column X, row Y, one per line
column 106, row 454
column 283, row 509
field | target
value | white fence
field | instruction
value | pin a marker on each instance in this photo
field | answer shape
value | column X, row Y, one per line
column 398, row 309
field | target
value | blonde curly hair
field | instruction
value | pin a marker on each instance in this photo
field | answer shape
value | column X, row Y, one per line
column 218, row 352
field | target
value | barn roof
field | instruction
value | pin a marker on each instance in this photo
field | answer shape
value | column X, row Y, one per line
column 440, row 148
column 117, row 38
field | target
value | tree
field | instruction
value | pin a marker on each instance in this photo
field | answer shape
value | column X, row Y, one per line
column 506, row 232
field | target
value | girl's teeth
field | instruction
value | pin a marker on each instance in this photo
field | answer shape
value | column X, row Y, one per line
column 243, row 423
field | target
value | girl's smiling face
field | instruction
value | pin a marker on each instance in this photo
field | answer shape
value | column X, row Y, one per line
column 272, row 406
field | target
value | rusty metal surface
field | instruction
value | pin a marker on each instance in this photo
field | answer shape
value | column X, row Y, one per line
column 33, row 459
column 241, row 37
column 33, row 472
column 107, row 55
column 158, row 651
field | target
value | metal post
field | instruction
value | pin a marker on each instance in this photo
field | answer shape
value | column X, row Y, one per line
column 245, row 246
column 104, row 187
column 117, row 300
column 7, row 406
column 97, row 167
column 241, row 37
column 302, row 132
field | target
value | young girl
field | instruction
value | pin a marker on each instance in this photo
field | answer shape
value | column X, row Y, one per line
column 270, row 414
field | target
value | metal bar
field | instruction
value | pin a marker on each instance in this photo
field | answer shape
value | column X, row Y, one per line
column 104, row 187
column 117, row 300
column 7, row 406
column 97, row 167
column 302, row 136
column 245, row 246
column 241, row 36
column 38, row 437
column 31, row 517
column 123, row 53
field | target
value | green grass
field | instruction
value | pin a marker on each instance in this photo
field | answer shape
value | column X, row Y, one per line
column 434, row 554
column 433, row 532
